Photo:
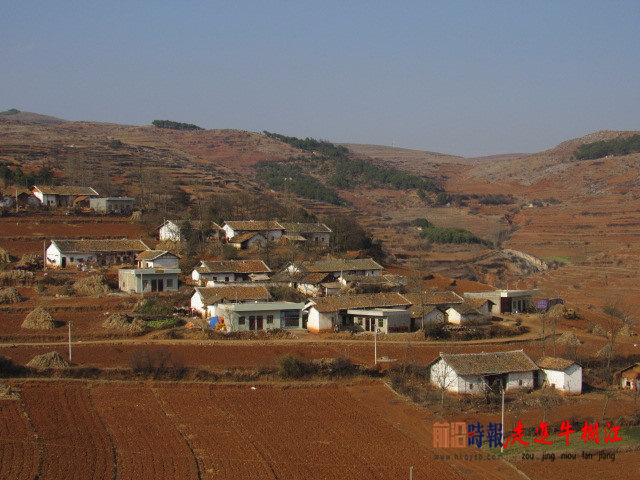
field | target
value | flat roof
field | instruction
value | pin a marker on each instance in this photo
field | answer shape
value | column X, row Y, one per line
column 502, row 293
column 150, row 271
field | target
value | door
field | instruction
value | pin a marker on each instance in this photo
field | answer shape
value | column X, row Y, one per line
column 64, row 262
column 252, row 322
column 160, row 285
column 259, row 322
column 154, row 285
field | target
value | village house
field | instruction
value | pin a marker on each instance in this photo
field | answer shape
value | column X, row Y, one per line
column 143, row 280
column 373, row 283
column 311, row 284
column 244, row 241
column 224, row 271
column 629, row 377
column 421, row 313
column 340, row 312
column 507, row 301
column 260, row 315
column 62, row 195
column 310, row 233
column 471, row 311
column 122, row 205
column 561, row 374
column 157, row 259
column 62, row 253
column 271, row 231
column 205, row 300
column 338, row 268
column 173, row 230
column 476, row 372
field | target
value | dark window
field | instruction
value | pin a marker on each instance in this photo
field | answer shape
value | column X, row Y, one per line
column 169, row 283
column 240, row 320
column 269, row 318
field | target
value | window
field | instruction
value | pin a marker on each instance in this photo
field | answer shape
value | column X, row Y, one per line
column 519, row 383
column 241, row 320
column 169, row 283
column 381, row 323
column 471, row 386
column 269, row 319
column 226, row 279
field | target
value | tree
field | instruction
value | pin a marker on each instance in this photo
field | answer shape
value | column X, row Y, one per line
column 443, row 376
column 617, row 317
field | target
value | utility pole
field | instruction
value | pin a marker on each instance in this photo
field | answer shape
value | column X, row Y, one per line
column 502, row 427
column 410, row 473
column 375, row 343
column 70, row 353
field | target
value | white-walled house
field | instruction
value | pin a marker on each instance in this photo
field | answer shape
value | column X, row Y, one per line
column 61, row 195
column 338, row 268
column 310, row 233
column 475, row 372
column 560, row 373
column 205, row 299
column 470, row 311
column 62, row 253
column 270, row 230
column 172, row 229
column 329, row 313
column 157, row 259
column 226, row 271
column 260, row 315
column 246, row 240
column 311, row 284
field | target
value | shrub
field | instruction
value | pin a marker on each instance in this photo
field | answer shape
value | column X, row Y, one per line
column 290, row 366
column 436, row 331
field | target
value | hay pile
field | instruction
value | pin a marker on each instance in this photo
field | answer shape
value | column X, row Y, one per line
column 93, row 285
column 9, row 295
column 48, row 360
column 568, row 338
column 625, row 331
column 122, row 323
column 136, row 216
column 597, row 329
column 39, row 319
column 16, row 277
column 4, row 256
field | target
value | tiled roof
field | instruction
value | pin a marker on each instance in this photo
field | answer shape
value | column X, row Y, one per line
column 66, row 190
column 466, row 308
column 197, row 224
column 153, row 254
column 555, row 363
column 305, row 227
column 491, row 363
column 340, row 265
column 300, row 277
column 233, row 266
column 213, row 295
column 370, row 300
column 243, row 237
column 254, row 226
column 374, row 279
column 102, row 245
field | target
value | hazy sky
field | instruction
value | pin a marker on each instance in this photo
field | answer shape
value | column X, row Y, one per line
column 461, row 77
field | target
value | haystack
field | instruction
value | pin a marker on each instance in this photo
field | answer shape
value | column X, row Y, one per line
column 93, row 285
column 122, row 323
column 39, row 319
column 48, row 360
column 625, row 331
column 597, row 329
column 4, row 256
column 568, row 338
column 9, row 295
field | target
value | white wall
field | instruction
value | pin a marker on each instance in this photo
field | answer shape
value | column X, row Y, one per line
column 197, row 304
column 568, row 381
column 170, row 231
column 443, row 376
column 520, row 380
column 318, row 322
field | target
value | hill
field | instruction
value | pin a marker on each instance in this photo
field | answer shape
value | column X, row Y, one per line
column 29, row 117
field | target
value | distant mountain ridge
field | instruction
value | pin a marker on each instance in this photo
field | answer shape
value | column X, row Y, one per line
column 30, row 117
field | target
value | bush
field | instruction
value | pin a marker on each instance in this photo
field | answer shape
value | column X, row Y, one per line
column 290, row 366
column 436, row 331
column 152, row 306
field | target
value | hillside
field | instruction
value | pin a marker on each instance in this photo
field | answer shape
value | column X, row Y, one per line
column 30, row 117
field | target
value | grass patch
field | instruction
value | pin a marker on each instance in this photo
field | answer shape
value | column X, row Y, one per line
column 562, row 259
column 162, row 323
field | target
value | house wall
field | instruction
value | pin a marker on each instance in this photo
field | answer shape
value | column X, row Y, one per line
column 111, row 205
column 433, row 316
column 317, row 238
column 54, row 257
column 320, row 322
column 519, row 380
column 170, row 231
column 568, row 381
column 166, row 261
column 453, row 316
column 135, row 282
column 443, row 376
column 471, row 384
column 231, row 318
column 196, row 303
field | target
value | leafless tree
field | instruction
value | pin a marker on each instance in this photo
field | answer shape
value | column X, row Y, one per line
column 443, row 376
column 617, row 317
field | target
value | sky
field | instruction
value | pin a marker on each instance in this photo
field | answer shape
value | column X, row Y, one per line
column 465, row 78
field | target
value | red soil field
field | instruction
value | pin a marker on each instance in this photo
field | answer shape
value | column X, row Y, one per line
column 19, row 457
column 70, row 433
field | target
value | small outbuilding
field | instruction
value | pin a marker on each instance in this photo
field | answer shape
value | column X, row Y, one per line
column 143, row 280
column 122, row 205
column 629, row 377
column 205, row 300
column 260, row 315
column 559, row 373
column 507, row 301
column 157, row 259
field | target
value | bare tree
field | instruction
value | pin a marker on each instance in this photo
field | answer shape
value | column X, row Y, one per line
column 617, row 317
column 443, row 376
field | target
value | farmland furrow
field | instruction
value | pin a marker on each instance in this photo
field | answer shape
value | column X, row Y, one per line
column 69, row 430
column 19, row 457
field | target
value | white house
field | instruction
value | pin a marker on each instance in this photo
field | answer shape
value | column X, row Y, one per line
column 172, row 229
column 225, row 271
column 61, row 195
column 559, row 373
column 310, row 233
column 629, row 377
column 329, row 313
column 506, row 301
column 475, row 372
column 62, row 253
column 141, row 280
column 311, row 284
column 339, row 267
column 157, row 259
column 205, row 300
column 242, row 241
column 270, row 230
column 260, row 315
column 477, row 310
